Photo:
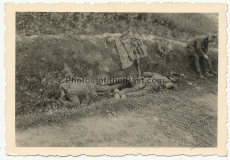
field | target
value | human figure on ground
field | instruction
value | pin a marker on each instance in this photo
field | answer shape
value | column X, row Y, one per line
column 152, row 82
column 68, row 92
column 198, row 50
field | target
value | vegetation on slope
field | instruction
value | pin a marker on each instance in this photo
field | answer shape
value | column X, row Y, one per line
column 180, row 26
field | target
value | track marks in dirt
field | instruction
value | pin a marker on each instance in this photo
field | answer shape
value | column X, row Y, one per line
column 132, row 129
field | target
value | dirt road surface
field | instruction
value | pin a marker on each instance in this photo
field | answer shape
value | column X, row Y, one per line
column 129, row 129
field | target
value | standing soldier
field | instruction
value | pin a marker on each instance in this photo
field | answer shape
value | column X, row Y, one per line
column 198, row 49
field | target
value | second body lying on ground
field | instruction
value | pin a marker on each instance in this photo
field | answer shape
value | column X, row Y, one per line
column 141, row 89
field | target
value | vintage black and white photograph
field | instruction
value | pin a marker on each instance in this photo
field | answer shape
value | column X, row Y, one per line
column 116, row 79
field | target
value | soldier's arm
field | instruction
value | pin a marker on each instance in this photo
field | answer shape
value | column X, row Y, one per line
column 199, row 47
column 67, row 104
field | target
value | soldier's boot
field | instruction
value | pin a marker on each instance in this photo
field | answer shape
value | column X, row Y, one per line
column 201, row 76
column 206, row 74
column 213, row 72
column 207, row 65
column 197, row 65
column 168, row 86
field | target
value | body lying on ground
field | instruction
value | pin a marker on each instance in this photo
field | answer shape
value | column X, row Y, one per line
column 69, row 92
column 198, row 50
column 144, row 88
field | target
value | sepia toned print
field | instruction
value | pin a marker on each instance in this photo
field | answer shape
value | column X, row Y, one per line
column 94, row 81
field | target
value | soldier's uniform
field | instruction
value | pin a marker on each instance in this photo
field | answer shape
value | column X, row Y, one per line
column 141, row 89
column 73, row 90
column 197, row 48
